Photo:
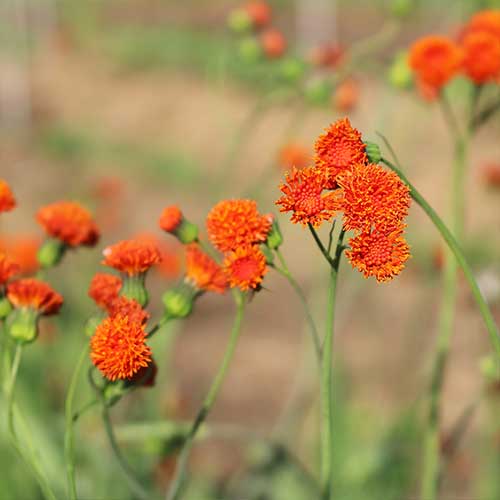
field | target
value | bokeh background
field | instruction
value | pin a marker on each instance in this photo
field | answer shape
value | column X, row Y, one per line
column 131, row 105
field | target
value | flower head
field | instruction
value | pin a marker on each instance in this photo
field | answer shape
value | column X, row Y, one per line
column 372, row 197
column 22, row 249
column 338, row 149
column 118, row 347
column 481, row 56
column 203, row 272
column 435, row 60
column 104, row 289
column 245, row 267
column 294, row 155
column 171, row 218
column 132, row 257
column 259, row 12
column 379, row 254
column 273, row 43
column 487, row 21
column 346, row 95
column 30, row 293
column 129, row 308
column 234, row 223
column 8, row 268
column 68, row 222
column 7, row 200
column 304, row 196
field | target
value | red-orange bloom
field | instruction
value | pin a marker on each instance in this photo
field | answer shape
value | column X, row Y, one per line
column 7, row 200
column 69, row 222
column 346, row 95
column 382, row 255
column 8, row 268
column 338, row 149
column 203, row 272
column 132, row 257
column 34, row 294
column 273, row 43
column 245, row 267
column 118, row 347
column 481, row 56
column 129, row 308
column 170, row 218
column 491, row 175
column 170, row 264
column 329, row 55
column 435, row 60
column 372, row 197
column 294, row 155
column 22, row 249
column 304, row 196
column 487, row 21
column 259, row 12
column 234, row 223
column 104, row 289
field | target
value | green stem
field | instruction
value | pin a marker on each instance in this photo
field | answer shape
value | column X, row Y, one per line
column 173, row 492
column 327, row 466
column 285, row 272
column 69, row 451
column 30, row 460
column 84, row 409
column 453, row 245
column 318, row 241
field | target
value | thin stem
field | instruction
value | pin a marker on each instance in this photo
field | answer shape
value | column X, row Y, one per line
column 84, row 409
column 284, row 271
column 162, row 322
column 69, row 451
column 453, row 245
column 318, row 241
column 327, row 443
column 174, row 491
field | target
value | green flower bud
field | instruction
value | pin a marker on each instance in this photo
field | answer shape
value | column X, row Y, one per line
column 5, row 308
column 24, row 325
column 179, row 302
column 187, row 232
column 134, row 288
column 400, row 74
column 250, row 50
column 490, row 368
column 51, row 253
column 373, row 152
column 274, row 238
column 266, row 250
column 402, row 8
column 239, row 21
column 113, row 392
column 318, row 92
column 292, row 70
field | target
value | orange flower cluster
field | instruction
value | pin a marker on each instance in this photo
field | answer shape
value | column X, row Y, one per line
column 8, row 269
column 203, row 272
column 30, row 293
column 245, row 267
column 7, row 200
column 435, row 60
column 104, row 289
column 68, row 222
column 132, row 257
column 374, row 202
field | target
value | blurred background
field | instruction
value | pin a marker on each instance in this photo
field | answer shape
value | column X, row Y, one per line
column 131, row 105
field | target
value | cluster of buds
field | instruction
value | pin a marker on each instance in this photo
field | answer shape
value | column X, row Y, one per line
column 346, row 178
column 474, row 53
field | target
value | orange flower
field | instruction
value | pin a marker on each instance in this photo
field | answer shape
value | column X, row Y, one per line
column 69, row 222
column 118, row 347
column 234, row 223
column 245, row 267
column 7, row 200
column 481, row 56
column 23, row 250
column 34, row 294
column 203, row 272
column 104, row 289
column 491, row 175
column 273, row 43
column 259, row 12
column 378, row 254
column 8, row 268
column 132, row 257
column 338, row 149
column 487, row 21
column 346, row 95
column 171, row 218
column 329, row 55
column 129, row 308
column 294, row 155
column 435, row 60
column 170, row 263
column 372, row 197
column 303, row 194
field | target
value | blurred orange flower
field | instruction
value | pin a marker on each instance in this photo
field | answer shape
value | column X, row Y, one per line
column 273, row 43
column 23, row 250
column 328, row 55
column 171, row 218
column 294, row 155
column 245, row 267
column 118, row 347
column 378, row 254
column 491, row 175
column 346, row 95
column 481, row 56
column 132, row 257
column 234, row 223
column 69, row 222
column 338, row 149
column 304, row 196
column 203, row 272
column 435, row 60
column 8, row 268
column 487, row 21
column 259, row 12
column 7, row 200
column 34, row 294
column 170, row 264
column 104, row 289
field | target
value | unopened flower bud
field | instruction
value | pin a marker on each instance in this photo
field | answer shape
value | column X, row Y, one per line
column 239, row 21
column 24, row 325
column 490, row 368
column 400, row 74
column 114, row 392
column 268, row 254
column 173, row 221
column 51, row 253
column 179, row 302
column 5, row 308
column 373, row 152
column 134, row 288
column 250, row 50
column 402, row 8
column 292, row 70
column 318, row 92
column 274, row 237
